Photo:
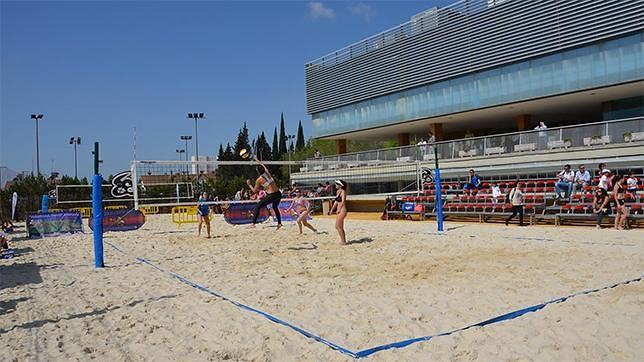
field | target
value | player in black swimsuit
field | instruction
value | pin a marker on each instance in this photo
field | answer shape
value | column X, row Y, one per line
column 273, row 193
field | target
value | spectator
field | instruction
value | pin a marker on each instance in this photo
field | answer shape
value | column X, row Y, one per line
column 431, row 138
column 238, row 195
column 621, row 211
column 319, row 189
column 317, row 154
column 516, row 200
column 566, row 179
column 473, row 182
column 390, row 205
column 601, row 204
column 328, row 189
column 541, row 126
column 4, row 245
column 422, row 142
column 600, row 169
column 496, row 192
column 604, row 180
column 631, row 183
column 582, row 178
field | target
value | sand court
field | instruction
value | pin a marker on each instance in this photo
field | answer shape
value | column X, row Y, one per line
column 399, row 280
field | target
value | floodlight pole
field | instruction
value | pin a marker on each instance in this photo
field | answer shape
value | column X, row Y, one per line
column 186, row 138
column 37, row 117
column 288, row 139
column 75, row 141
column 196, row 116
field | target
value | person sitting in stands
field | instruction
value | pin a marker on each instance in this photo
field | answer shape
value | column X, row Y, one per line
column 390, row 205
column 582, row 178
column 604, row 180
column 7, row 226
column 473, row 182
column 496, row 192
column 631, row 183
column 566, row 179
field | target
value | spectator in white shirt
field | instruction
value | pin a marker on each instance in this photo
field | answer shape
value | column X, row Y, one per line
column 541, row 126
column 566, row 180
column 582, row 178
column 631, row 183
column 496, row 192
column 604, row 181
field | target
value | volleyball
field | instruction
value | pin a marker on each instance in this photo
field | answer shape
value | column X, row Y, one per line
column 244, row 153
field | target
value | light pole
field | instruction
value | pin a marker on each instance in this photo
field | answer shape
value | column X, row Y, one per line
column 186, row 138
column 75, row 141
column 289, row 140
column 179, row 152
column 37, row 117
column 196, row 116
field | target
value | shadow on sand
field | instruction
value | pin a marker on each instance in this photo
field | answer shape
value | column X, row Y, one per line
column 17, row 274
column 359, row 241
column 95, row 312
column 9, row 306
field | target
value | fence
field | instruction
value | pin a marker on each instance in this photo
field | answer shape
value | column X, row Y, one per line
column 586, row 135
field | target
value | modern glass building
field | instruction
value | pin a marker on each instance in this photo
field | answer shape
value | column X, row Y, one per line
column 484, row 66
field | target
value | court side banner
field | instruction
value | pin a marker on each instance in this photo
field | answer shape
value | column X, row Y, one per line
column 52, row 224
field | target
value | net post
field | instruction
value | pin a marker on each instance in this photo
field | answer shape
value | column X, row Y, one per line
column 97, row 208
column 135, row 185
column 439, row 197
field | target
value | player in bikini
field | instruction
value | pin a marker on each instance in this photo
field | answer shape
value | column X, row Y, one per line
column 301, row 206
column 273, row 194
column 340, row 206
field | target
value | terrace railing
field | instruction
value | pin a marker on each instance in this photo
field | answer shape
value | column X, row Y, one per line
column 584, row 135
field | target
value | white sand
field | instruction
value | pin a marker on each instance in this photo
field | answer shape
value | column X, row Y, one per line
column 400, row 282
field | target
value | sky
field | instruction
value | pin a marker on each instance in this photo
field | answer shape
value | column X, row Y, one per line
column 97, row 70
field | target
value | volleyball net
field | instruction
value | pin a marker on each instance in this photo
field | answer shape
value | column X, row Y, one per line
column 225, row 181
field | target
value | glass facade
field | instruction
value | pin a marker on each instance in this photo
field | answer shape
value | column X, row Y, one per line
column 602, row 64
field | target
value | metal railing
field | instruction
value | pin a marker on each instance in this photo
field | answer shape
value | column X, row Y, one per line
column 584, row 135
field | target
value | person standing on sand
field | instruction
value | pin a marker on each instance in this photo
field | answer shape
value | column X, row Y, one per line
column 300, row 206
column 340, row 206
column 516, row 200
column 273, row 193
column 203, row 211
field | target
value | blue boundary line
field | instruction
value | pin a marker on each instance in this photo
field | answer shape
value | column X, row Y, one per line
column 369, row 351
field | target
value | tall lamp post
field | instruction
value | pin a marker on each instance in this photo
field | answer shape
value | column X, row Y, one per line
column 196, row 116
column 37, row 117
column 75, row 141
column 289, row 140
column 179, row 152
column 186, row 138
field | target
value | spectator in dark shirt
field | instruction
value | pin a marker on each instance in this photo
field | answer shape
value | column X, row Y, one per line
column 473, row 182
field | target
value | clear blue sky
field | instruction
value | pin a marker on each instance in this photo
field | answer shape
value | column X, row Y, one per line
column 98, row 69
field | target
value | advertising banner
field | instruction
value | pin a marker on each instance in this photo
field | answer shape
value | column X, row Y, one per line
column 52, row 224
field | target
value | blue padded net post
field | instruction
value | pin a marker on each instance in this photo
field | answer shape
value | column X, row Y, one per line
column 97, row 214
column 44, row 207
column 439, row 199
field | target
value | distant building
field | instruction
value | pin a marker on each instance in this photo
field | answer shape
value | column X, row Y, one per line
column 485, row 65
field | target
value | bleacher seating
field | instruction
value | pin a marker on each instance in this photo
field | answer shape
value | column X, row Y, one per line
column 539, row 201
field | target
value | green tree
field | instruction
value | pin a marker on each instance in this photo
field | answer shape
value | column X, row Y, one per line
column 299, row 141
column 220, row 154
column 282, row 145
column 275, row 148
column 262, row 148
column 242, row 142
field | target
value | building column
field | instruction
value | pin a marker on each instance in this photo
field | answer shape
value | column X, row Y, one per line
column 340, row 146
column 403, row 139
column 437, row 130
column 523, row 122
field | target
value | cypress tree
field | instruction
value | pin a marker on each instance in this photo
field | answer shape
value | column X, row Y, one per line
column 282, row 146
column 275, row 149
column 220, row 155
column 242, row 142
column 299, row 141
